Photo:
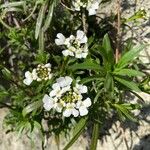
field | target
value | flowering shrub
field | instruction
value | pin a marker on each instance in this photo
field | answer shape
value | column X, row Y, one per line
column 65, row 68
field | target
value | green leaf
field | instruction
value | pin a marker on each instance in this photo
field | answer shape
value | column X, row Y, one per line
column 128, row 72
column 95, row 135
column 77, row 132
column 41, row 41
column 125, row 111
column 108, row 49
column 3, row 94
column 131, row 106
column 13, row 4
column 131, row 85
column 31, row 107
column 109, row 82
column 129, row 56
column 40, row 19
column 97, row 96
column 6, row 73
column 49, row 16
column 90, row 79
column 87, row 65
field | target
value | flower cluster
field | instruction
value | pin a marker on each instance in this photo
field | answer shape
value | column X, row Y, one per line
column 42, row 72
column 75, row 45
column 66, row 98
column 90, row 5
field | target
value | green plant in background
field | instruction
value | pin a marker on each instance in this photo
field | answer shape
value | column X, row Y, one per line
column 61, row 72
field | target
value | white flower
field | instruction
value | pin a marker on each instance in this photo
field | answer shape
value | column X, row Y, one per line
column 70, row 110
column 42, row 72
column 60, row 39
column 92, row 7
column 48, row 102
column 75, row 45
column 83, row 105
column 66, row 98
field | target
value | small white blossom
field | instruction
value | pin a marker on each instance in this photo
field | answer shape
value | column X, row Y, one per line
column 83, row 105
column 66, row 98
column 42, row 72
column 90, row 5
column 75, row 45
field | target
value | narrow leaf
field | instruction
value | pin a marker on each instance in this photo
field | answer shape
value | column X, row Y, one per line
column 109, row 82
column 107, row 47
column 90, row 79
column 41, row 41
column 12, row 4
column 49, row 16
column 86, row 65
column 128, row 72
column 39, row 20
column 131, row 85
column 129, row 56
column 125, row 111
column 78, row 131
column 95, row 135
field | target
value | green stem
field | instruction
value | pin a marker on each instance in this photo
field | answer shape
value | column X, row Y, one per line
column 5, row 25
column 64, row 65
column 95, row 135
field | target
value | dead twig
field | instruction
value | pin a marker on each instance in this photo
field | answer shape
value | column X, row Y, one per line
column 117, row 53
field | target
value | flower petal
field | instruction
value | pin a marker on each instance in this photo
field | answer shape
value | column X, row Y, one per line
column 27, row 81
column 58, row 107
column 48, row 65
column 75, row 112
column 53, row 93
column 46, row 99
column 66, row 52
column 47, row 106
column 83, row 111
column 56, row 86
column 34, row 74
column 67, row 112
column 68, row 80
column 61, row 81
column 81, row 36
column 87, row 102
column 60, row 39
column 28, row 74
